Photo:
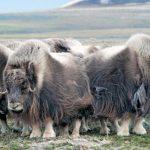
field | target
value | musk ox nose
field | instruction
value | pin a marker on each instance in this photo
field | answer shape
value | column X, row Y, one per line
column 12, row 101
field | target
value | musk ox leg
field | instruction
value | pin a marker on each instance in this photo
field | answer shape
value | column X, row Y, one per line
column 85, row 126
column 36, row 132
column 116, row 125
column 25, row 130
column 104, row 130
column 138, row 126
column 64, row 131
column 4, row 125
column 123, row 129
column 76, row 129
column 49, row 130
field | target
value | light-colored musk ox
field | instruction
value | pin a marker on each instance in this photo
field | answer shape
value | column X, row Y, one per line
column 120, row 83
column 46, row 87
column 71, row 46
column 4, row 54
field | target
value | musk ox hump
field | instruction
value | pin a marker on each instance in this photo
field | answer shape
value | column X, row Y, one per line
column 66, row 59
column 140, row 43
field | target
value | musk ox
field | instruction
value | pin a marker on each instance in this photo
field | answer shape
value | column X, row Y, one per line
column 4, row 54
column 46, row 87
column 120, row 83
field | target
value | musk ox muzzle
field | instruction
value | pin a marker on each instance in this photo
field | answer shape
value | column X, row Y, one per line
column 15, row 100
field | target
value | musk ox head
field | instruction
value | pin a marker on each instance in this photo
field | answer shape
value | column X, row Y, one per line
column 20, row 84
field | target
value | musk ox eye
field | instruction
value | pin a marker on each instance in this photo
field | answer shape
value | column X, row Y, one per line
column 24, row 86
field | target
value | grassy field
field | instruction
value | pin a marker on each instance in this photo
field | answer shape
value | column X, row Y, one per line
column 88, row 141
column 101, row 26
column 97, row 24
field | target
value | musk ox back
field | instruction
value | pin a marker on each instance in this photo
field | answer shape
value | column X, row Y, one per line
column 117, row 75
column 45, row 86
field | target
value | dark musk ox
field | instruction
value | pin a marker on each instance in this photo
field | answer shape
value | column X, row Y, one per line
column 4, row 54
column 46, row 87
column 77, row 49
column 120, row 83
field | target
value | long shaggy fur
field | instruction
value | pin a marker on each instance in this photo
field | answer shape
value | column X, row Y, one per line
column 4, row 54
column 62, row 88
column 116, row 74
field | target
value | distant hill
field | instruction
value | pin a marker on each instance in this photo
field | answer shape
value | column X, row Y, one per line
column 98, row 3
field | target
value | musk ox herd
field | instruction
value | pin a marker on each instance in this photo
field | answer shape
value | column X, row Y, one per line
column 53, row 86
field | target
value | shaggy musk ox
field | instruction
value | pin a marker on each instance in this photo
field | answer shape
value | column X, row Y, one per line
column 46, row 87
column 4, row 54
column 120, row 83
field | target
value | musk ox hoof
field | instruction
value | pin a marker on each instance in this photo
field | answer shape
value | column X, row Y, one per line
column 140, row 130
column 105, row 131
column 75, row 136
column 123, row 133
column 48, row 135
column 35, row 135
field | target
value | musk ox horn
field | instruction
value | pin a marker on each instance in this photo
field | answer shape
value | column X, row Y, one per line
column 139, row 97
column 3, row 91
column 31, row 76
column 32, row 90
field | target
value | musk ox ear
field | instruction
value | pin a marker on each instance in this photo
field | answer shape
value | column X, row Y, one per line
column 31, row 76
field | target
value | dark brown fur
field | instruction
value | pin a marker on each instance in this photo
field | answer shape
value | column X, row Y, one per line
column 114, row 79
column 4, row 54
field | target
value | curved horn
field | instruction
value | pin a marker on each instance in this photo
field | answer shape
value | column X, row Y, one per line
column 32, row 90
column 3, row 91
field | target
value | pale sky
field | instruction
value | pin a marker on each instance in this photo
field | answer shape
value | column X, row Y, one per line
column 29, row 5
